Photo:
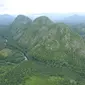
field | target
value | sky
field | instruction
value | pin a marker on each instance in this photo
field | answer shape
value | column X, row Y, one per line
column 41, row 6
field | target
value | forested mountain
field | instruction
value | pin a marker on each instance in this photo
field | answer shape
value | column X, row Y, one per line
column 79, row 28
column 41, row 52
column 19, row 26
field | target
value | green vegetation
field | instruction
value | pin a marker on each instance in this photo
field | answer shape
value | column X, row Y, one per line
column 41, row 52
column 79, row 28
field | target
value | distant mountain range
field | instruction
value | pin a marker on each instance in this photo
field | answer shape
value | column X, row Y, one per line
column 67, row 18
column 74, row 19
column 52, row 16
column 56, row 17
column 6, row 19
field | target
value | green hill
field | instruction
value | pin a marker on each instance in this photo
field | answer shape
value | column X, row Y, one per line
column 56, row 54
column 20, row 24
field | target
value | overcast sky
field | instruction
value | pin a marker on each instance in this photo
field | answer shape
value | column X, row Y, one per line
column 41, row 6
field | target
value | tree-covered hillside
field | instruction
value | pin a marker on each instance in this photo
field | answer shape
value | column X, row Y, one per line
column 79, row 28
column 41, row 52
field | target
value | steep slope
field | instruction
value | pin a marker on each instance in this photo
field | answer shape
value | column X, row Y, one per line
column 53, row 42
column 79, row 28
column 24, row 33
column 42, row 20
column 20, row 24
column 47, row 40
column 39, row 24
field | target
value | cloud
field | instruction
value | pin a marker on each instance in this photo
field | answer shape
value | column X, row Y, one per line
column 1, row 5
column 42, row 6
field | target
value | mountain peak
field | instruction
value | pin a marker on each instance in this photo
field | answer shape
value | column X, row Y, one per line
column 42, row 20
column 20, row 24
column 22, row 18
